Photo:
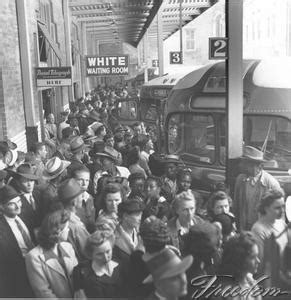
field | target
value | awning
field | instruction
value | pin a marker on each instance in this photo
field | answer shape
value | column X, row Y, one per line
column 52, row 43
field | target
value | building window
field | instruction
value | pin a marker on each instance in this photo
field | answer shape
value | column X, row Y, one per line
column 190, row 39
column 219, row 26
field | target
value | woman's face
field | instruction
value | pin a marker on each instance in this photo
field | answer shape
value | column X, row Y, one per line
column 276, row 210
column 112, row 201
column 102, row 254
column 221, row 206
column 252, row 261
column 185, row 182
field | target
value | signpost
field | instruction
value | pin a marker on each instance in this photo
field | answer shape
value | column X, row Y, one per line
column 53, row 76
column 107, row 65
column 176, row 57
column 217, row 48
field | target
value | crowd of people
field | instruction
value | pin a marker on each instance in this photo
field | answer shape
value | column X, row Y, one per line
column 84, row 214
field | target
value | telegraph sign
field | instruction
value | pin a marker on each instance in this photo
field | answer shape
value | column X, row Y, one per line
column 217, row 48
column 53, row 76
column 155, row 63
column 176, row 57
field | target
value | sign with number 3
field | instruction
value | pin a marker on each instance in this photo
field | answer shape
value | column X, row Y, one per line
column 217, row 48
column 176, row 57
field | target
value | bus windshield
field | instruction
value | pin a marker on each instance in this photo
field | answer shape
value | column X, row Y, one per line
column 201, row 137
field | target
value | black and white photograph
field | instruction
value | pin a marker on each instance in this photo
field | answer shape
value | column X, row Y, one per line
column 145, row 149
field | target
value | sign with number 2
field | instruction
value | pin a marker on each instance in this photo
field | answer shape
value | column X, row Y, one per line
column 217, row 48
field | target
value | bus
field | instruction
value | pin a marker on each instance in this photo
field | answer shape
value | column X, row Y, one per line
column 195, row 120
column 149, row 106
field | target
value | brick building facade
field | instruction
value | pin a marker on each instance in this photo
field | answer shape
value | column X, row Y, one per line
column 35, row 33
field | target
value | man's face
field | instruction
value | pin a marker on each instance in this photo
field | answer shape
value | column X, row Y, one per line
column 171, row 170
column 152, row 189
column 112, row 201
column 43, row 152
column 253, row 168
column 137, row 186
column 132, row 220
column 12, row 208
column 137, row 130
column 110, row 142
column 107, row 163
column 27, row 184
column 173, row 287
column 83, row 178
column 186, row 211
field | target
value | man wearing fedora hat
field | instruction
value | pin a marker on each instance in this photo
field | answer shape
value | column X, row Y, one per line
column 109, row 167
column 23, row 181
column 168, row 273
column 15, row 243
column 169, row 179
column 70, row 195
column 78, row 150
column 55, row 171
column 250, row 186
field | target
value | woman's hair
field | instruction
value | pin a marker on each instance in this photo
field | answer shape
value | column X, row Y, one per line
column 184, row 196
column 236, row 252
column 268, row 198
column 133, row 155
column 214, row 197
column 156, row 179
column 202, row 241
column 110, row 188
column 48, row 234
column 98, row 238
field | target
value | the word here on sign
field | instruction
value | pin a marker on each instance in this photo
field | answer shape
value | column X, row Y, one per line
column 53, row 76
column 107, row 65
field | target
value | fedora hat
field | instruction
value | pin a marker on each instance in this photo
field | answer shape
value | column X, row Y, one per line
column 27, row 171
column 253, row 154
column 166, row 264
column 8, row 193
column 54, row 167
column 98, row 147
column 69, row 189
column 172, row 158
column 77, row 144
column 107, row 153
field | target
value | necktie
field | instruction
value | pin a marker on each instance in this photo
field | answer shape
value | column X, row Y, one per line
column 25, row 235
column 31, row 200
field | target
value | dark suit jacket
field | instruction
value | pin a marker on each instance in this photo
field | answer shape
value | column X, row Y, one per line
column 30, row 217
column 13, row 278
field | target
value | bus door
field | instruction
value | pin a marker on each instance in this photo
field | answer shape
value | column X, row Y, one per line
column 199, row 139
column 128, row 110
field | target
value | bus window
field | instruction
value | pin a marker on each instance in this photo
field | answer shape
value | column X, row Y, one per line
column 271, row 135
column 127, row 110
column 192, row 136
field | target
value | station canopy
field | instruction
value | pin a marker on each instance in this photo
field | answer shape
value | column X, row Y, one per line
column 128, row 20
